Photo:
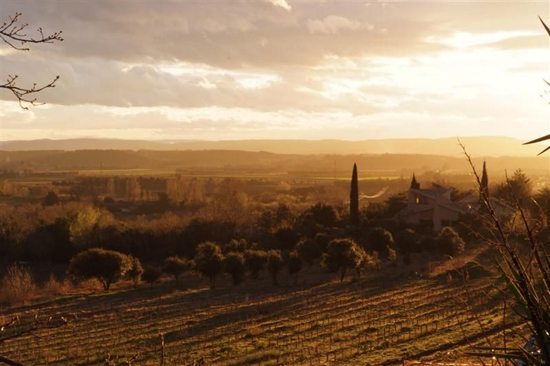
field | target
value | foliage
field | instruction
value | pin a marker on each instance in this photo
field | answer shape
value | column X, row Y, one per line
column 50, row 199
column 135, row 271
column 380, row 241
column 151, row 275
column 449, row 242
column 209, row 261
column 234, row 265
column 106, row 266
column 274, row 264
column 255, row 261
column 342, row 255
column 309, row 250
column 407, row 241
column 527, row 276
column 518, row 185
column 294, row 265
column 175, row 267
column 236, row 246
column 354, row 198
column 324, row 215
column 17, row 285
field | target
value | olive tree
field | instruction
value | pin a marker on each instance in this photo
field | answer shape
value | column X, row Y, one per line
column 107, row 266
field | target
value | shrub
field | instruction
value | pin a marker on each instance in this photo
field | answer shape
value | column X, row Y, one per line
column 287, row 239
column 175, row 267
column 407, row 241
column 342, row 254
column 208, row 261
column 322, row 240
column 380, row 241
column 151, row 275
column 255, row 261
column 53, row 287
column 17, row 285
column 449, row 242
column 325, row 215
column 236, row 246
column 274, row 264
column 309, row 250
column 135, row 271
column 294, row 265
column 106, row 266
column 234, row 265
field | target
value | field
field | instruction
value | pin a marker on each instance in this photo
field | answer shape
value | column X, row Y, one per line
column 317, row 321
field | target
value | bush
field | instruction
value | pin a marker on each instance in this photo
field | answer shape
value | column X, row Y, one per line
column 106, row 266
column 209, row 261
column 135, row 271
column 234, row 265
column 236, row 246
column 151, row 275
column 255, row 261
column 294, row 265
column 274, row 264
column 342, row 254
column 449, row 242
column 407, row 241
column 322, row 240
column 53, row 287
column 287, row 239
column 17, row 285
column 175, row 267
column 309, row 250
column 380, row 241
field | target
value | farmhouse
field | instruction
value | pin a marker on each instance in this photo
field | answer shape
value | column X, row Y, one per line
column 434, row 207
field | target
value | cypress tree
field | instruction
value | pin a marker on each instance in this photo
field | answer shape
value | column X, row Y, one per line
column 484, row 183
column 354, row 198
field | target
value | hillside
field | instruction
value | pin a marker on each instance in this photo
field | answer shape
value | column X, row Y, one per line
column 478, row 146
column 313, row 322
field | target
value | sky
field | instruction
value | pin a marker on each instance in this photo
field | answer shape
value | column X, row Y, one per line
column 281, row 69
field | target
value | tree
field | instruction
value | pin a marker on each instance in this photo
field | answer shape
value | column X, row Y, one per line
column 380, row 241
column 175, row 267
column 287, row 238
column 341, row 255
column 50, row 199
column 255, row 261
column 325, row 215
column 234, row 265
column 107, row 266
column 449, row 242
column 151, row 275
column 274, row 264
column 135, row 271
column 209, row 261
column 484, row 183
column 541, row 206
column 13, row 34
column 236, row 246
column 309, row 250
column 407, row 241
column 294, row 265
column 518, row 186
column 354, row 198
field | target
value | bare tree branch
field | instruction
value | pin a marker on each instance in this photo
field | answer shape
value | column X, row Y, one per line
column 13, row 33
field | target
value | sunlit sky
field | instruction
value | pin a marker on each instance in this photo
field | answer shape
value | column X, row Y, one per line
column 297, row 69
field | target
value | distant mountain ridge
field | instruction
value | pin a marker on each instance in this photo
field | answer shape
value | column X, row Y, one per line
column 477, row 146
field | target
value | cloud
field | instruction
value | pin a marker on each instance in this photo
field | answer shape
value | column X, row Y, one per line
column 280, row 3
column 334, row 24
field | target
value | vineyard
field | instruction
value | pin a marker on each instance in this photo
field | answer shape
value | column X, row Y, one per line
column 357, row 322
